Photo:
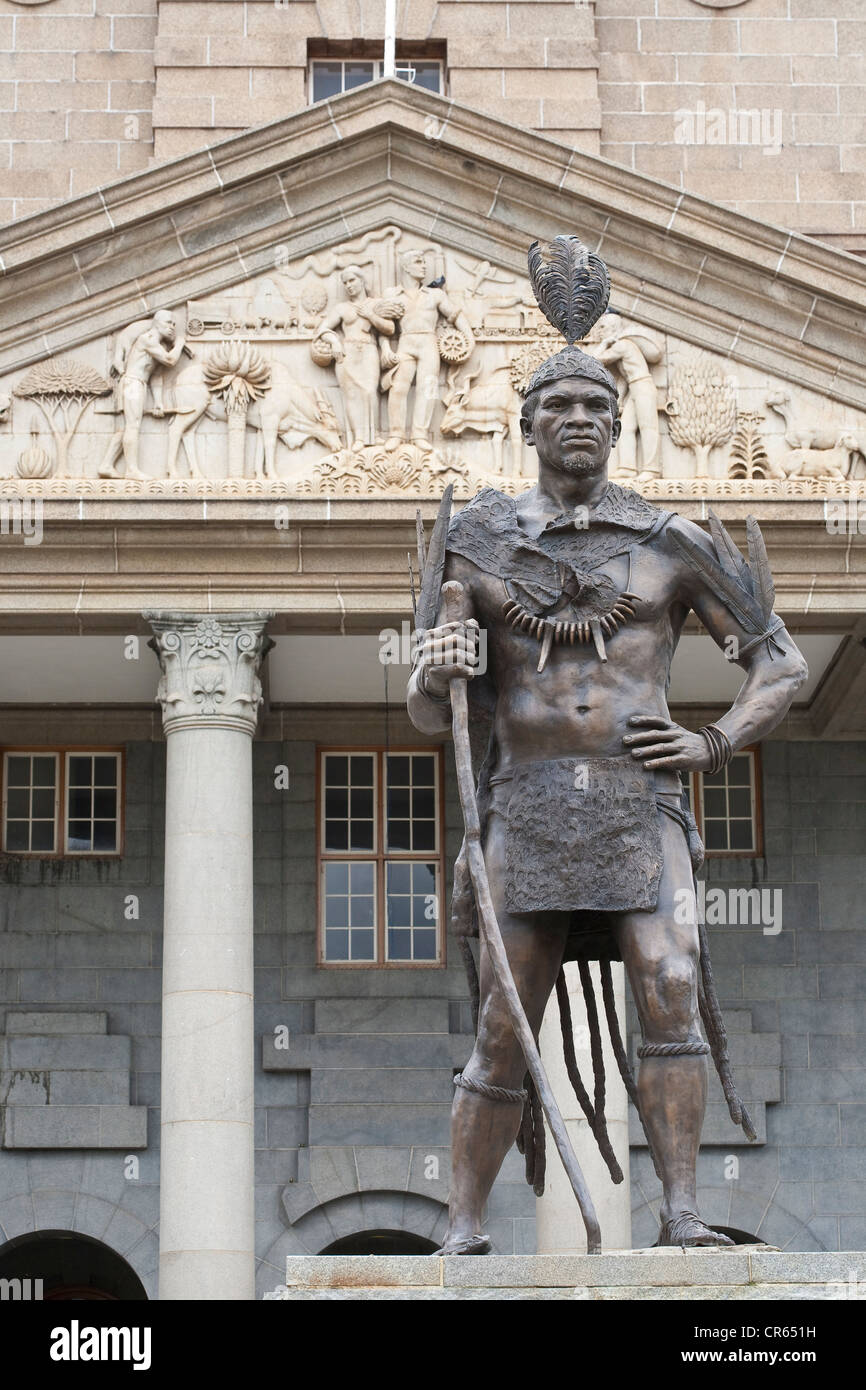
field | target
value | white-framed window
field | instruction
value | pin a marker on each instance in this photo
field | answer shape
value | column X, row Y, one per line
column 727, row 806
column 328, row 77
column 62, row 802
column 380, row 857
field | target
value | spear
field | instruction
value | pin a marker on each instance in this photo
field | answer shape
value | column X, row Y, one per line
column 454, row 598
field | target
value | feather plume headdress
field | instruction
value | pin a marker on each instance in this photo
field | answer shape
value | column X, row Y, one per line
column 572, row 287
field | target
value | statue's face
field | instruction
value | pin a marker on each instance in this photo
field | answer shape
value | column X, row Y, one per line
column 573, row 429
column 415, row 265
column 352, row 284
column 166, row 325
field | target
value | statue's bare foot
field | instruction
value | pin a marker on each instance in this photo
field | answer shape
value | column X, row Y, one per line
column 688, row 1229
column 393, row 442
column 137, row 475
column 466, row 1245
column 108, row 472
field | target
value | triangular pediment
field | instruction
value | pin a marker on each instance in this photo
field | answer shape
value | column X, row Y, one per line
column 246, row 243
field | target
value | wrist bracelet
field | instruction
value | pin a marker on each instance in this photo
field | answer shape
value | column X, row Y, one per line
column 720, row 746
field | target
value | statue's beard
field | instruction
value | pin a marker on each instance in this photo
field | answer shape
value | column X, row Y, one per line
column 581, row 465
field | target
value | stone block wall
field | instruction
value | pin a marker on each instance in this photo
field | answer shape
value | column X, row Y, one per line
column 76, row 98
column 71, row 954
column 222, row 67
column 800, row 64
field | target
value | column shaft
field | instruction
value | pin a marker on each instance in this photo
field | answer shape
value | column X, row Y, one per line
column 210, row 694
column 559, row 1229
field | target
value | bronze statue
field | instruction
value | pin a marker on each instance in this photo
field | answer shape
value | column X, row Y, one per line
column 583, row 588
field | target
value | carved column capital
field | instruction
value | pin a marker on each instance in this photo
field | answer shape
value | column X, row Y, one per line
column 210, row 668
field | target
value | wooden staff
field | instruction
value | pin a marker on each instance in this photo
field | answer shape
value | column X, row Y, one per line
column 452, row 592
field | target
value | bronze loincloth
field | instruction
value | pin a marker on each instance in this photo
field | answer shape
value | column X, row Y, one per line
column 582, row 835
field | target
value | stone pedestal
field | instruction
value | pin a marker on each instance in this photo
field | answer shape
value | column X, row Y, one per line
column 738, row 1273
column 559, row 1228
column 210, row 694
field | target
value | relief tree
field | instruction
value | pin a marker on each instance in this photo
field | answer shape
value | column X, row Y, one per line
column 63, row 389
column 239, row 374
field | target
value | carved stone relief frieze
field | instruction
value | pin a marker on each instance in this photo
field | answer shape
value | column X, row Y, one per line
column 391, row 365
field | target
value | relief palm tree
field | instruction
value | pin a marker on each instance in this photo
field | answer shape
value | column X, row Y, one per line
column 239, row 374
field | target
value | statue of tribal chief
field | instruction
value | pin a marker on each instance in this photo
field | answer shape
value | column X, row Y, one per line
column 585, row 841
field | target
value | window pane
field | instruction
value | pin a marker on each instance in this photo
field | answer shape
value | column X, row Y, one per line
column 715, row 834
column 80, row 771
column 336, row 945
column 362, row 770
column 336, row 878
column 336, row 912
column 18, row 772
column 398, row 772
column 741, row 834
column 411, row 802
column 740, row 802
column 78, row 835
column 739, row 770
column 336, row 771
column 362, row 803
column 356, row 74
column 80, row 803
column 17, row 835
column 327, row 80
column 44, row 772
column 399, row 945
column 399, row 878
column 425, row 945
column 349, row 802
column 337, row 802
column 336, row 834
column 30, row 803
column 362, row 912
column 105, row 803
column 18, row 801
column 428, row 75
column 42, row 836
column 412, row 915
column 362, row 834
column 423, row 805
column 105, row 835
column 363, row 945
column 105, row 771
column 424, row 835
column 362, row 878
column 399, row 835
column 715, row 802
column 398, row 803
column 43, row 803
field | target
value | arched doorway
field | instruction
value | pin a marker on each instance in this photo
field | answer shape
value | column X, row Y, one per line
column 72, row 1268
column 380, row 1243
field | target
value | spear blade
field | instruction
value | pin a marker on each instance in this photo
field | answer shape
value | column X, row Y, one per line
column 434, row 566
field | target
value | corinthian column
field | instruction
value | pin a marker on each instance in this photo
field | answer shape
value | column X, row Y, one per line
column 210, row 695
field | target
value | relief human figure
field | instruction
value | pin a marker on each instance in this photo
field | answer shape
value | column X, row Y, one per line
column 589, row 849
column 140, row 350
column 416, row 360
column 632, row 351
column 356, row 356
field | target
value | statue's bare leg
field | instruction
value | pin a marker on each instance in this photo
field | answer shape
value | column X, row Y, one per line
column 661, row 955
column 482, row 1130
